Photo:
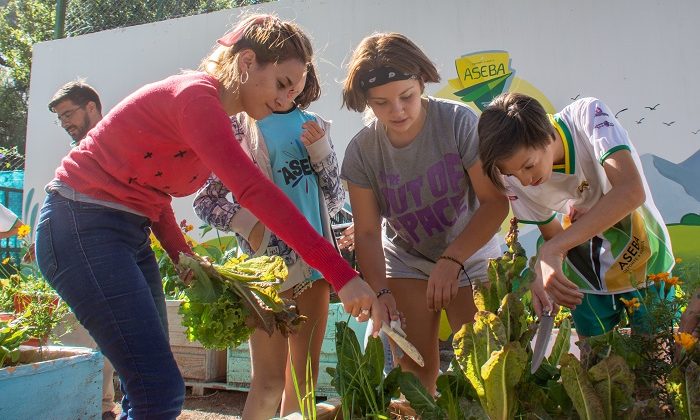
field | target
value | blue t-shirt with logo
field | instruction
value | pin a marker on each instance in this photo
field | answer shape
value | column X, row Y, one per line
column 291, row 165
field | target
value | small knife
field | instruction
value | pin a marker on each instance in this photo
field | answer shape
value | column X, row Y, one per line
column 399, row 337
column 544, row 334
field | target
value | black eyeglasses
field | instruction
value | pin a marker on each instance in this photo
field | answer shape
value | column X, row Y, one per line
column 65, row 115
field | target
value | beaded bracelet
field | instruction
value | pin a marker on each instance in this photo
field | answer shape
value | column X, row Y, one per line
column 383, row 291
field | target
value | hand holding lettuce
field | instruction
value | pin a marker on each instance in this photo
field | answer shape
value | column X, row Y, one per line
column 224, row 303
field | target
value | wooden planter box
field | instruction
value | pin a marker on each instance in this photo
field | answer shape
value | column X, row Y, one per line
column 195, row 362
column 238, row 370
column 67, row 384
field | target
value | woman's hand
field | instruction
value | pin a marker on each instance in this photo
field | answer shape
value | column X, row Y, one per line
column 443, row 284
column 549, row 273
column 186, row 274
column 312, row 133
column 359, row 300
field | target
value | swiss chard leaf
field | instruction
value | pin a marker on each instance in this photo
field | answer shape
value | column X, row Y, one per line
column 579, row 388
column 501, row 373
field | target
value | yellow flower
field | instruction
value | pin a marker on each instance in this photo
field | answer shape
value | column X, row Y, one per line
column 5, row 261
column 685, row 340
column 631, row 304
column 679, row 260
column 155, row 243
column 23, row 231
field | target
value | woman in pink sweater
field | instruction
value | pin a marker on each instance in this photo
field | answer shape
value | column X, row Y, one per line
column 114, row 188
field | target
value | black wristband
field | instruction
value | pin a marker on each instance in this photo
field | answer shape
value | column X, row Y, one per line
column 456, row 261
column 453, row 259
column 383, row 291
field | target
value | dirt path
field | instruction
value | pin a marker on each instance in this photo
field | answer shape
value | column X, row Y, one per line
column 217, row 405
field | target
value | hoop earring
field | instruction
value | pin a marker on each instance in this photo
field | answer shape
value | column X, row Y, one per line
column 244, row 78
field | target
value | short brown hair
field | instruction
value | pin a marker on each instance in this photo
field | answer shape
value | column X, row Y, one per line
column 510, row 122
column 79, row 92
column 312, row 88
column 270, row 38
column 384, row 50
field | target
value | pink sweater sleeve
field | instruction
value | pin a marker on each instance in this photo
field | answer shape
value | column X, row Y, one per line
column 170, row 236
column 207, row 129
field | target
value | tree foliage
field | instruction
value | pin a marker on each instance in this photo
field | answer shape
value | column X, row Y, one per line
column 84, row 16
column 22, row 23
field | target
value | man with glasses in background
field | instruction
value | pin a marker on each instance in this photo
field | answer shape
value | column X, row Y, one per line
column 78, row 109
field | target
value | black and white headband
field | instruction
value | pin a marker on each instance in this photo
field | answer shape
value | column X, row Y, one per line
column 381, row 76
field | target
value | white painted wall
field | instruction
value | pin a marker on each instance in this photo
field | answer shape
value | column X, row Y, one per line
column 630, row 53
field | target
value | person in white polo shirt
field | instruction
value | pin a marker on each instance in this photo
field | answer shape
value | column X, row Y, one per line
column 579, row 164
column 9, row 223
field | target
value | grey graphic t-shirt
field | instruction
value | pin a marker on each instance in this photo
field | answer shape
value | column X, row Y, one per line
column 423, row 190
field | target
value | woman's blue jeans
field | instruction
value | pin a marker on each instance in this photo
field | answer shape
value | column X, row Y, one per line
column 100, row 262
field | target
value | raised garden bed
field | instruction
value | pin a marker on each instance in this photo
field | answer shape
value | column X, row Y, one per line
column 57, row 382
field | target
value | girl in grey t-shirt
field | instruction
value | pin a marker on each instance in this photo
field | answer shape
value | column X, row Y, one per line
column 415, row 167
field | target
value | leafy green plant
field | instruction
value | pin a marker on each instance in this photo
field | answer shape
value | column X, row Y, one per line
column 359, row 380
column 647, row 354
column 493, row 351
column 12, row 334
column 223, row 303
column 41, row 314
column 24, row 291
column 306, row 398
column 622, row 376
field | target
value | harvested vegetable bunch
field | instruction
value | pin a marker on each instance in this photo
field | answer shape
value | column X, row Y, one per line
column 224, row 303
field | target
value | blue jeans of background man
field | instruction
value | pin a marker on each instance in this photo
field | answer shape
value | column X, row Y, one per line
column 100, row 262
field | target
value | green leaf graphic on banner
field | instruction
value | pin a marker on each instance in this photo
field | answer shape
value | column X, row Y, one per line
column 476, row 92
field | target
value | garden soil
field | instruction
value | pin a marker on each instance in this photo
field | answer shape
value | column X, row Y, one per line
column 213, row 405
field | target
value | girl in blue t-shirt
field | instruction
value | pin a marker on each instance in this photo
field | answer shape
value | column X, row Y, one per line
column 292, row 148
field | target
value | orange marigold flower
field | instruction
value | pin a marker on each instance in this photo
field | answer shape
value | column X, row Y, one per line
column 673, row 281
column 23, row 231
column 685, row 340
column 679, row 260
column 189, row 228
column 653, row 277
column 5, row 261
column 631, row 305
